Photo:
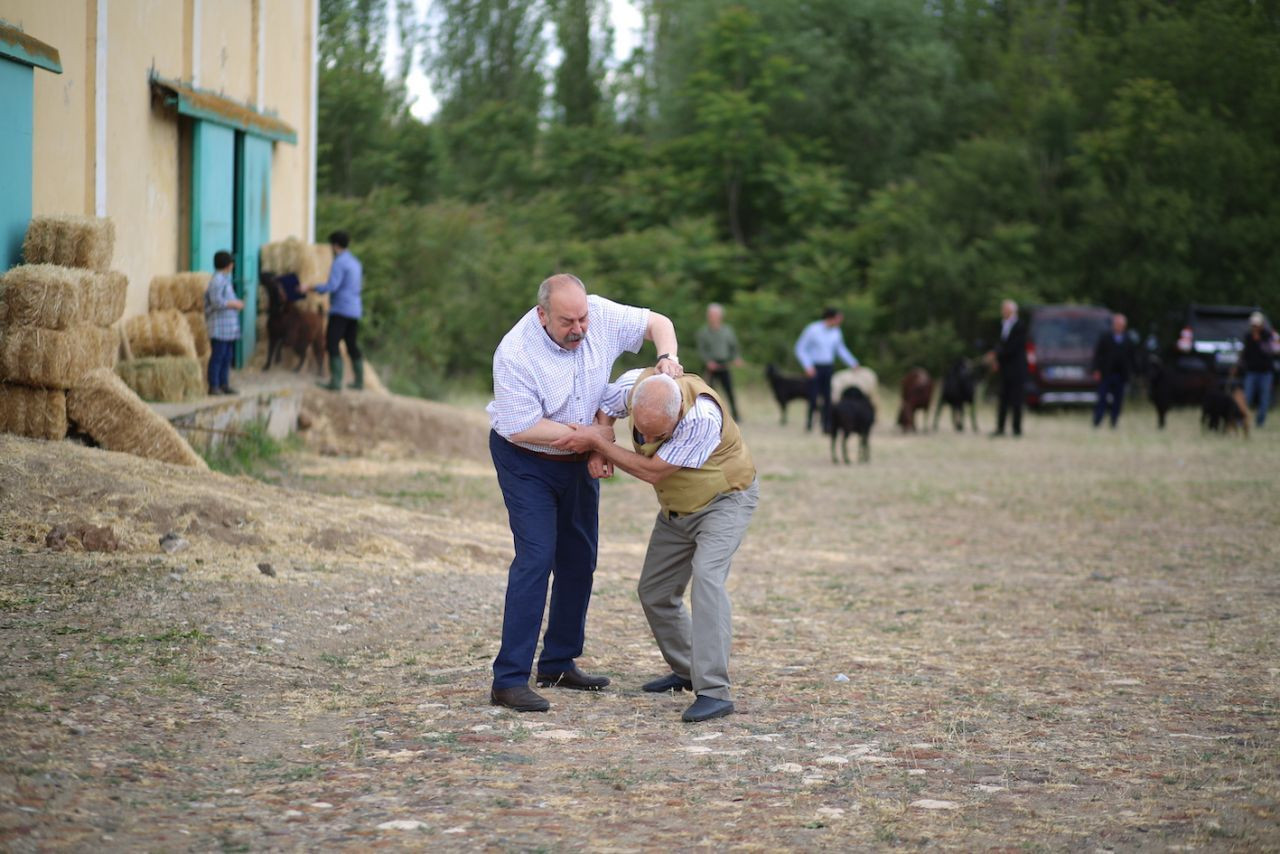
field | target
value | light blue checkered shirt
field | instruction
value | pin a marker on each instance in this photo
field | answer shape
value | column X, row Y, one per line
column 223, row 322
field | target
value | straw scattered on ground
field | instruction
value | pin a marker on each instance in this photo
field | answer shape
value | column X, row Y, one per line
column 1063, row 642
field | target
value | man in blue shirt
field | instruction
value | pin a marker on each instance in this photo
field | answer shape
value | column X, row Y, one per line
column 222, row 316
column 816, row 350
column 345, row 280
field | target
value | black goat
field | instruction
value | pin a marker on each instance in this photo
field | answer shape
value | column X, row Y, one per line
column 853, row 413
column 786, row 389
column 958, row 388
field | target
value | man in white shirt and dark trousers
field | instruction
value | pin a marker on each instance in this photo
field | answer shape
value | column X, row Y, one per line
column 816, row 350
column 549, row 374
column 688, row 446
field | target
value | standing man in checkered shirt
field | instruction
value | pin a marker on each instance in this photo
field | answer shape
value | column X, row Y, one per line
column 549, row 374
column 688, row 446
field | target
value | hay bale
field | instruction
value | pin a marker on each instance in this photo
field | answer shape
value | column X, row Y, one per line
column 102, row 406
column 70, row 241
column 37, row 413
column 160, row 333
column 183, row 291
column 166, row 379
column 56, row 297
column 199, row 333
column 290, row 255
column 54, row 358
column 107, row 293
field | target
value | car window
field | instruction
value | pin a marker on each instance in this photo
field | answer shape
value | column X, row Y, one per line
column 1067, row 333
column 1219, row 327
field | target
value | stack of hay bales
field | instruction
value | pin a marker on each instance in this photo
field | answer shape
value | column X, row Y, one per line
column 165, row 367
column 184, row 292
column 56, row 317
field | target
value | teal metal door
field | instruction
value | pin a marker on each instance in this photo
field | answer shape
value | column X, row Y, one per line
column 253, row 225
column 16, row 88
column 213, row 188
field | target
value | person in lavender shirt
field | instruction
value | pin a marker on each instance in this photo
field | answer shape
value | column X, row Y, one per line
column 346, row 278
column 550, row 372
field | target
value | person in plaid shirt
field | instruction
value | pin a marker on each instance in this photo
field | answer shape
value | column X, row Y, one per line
column 221, row 314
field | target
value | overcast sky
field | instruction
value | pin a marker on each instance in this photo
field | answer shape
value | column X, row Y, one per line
column 626, row 35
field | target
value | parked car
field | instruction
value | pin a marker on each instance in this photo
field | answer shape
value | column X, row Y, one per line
column 1060, row 342
column 1208, row 348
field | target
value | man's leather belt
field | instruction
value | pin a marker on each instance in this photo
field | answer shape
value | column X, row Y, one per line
column 559, row 458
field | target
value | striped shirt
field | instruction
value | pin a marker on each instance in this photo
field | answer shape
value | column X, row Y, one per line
column 536, row 378
column 696, row 436
column 819, row 344
column 223, row 322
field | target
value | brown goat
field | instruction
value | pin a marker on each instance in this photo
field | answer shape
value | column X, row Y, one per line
column 291, row 325
column 917, row 392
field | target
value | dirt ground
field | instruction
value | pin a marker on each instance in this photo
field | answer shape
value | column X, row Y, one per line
column 1068, row 641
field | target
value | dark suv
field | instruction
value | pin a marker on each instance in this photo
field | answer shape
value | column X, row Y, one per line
column 1060, row 343
column 1212, row 337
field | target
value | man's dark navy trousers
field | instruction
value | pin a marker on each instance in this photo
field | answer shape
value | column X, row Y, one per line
column 554, row 509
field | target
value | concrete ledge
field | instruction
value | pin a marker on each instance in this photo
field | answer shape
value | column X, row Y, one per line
column 271, row 399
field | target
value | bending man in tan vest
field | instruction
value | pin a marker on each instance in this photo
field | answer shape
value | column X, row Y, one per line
column 685, row 444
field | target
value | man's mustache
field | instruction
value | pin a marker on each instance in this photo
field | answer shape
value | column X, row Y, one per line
column 574, row 336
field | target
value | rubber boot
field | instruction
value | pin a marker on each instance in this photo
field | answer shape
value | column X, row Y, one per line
column 335, row 375
column 357, row 371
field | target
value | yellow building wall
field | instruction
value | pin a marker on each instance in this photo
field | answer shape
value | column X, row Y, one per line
column 63, row 154
column 145, row 177
column 288, row 46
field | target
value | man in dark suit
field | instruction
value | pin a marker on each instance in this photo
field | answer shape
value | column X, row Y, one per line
column 1113, row 361
column 1010, row 356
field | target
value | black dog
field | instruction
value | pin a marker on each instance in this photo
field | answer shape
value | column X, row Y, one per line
column 786, row 389
column 1224, row 411
column 958, row 388
column 853, row 413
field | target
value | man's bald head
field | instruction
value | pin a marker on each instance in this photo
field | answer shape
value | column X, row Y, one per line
column 655, row 407
column 562, row 309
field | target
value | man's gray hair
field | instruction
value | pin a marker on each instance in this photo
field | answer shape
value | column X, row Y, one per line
column 1012, row 304
column 715, row 306
column 659, row 391
column 550, row 283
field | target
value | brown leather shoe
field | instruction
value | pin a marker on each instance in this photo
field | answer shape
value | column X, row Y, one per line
column 574, row 679
column 519, row 698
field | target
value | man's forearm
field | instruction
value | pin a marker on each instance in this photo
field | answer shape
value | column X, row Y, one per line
column 662, row 332
column 648, row 469
column 544, row 432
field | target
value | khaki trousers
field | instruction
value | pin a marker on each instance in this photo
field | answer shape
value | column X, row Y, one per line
column 696, row 551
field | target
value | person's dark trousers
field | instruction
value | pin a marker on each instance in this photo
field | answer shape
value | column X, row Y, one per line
column 723, row 377
column 553, row 508
column 1110, row 397
column 820, row 387
column 1012, row 391
column 220, row 354
column 343, row 329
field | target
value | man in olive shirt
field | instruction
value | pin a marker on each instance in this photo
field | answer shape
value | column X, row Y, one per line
column 718, row 349
column 693, row 453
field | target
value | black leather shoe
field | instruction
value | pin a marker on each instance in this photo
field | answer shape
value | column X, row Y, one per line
column 706, row 708
column 519, row 698
column 670, row 682
column 574, row 679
